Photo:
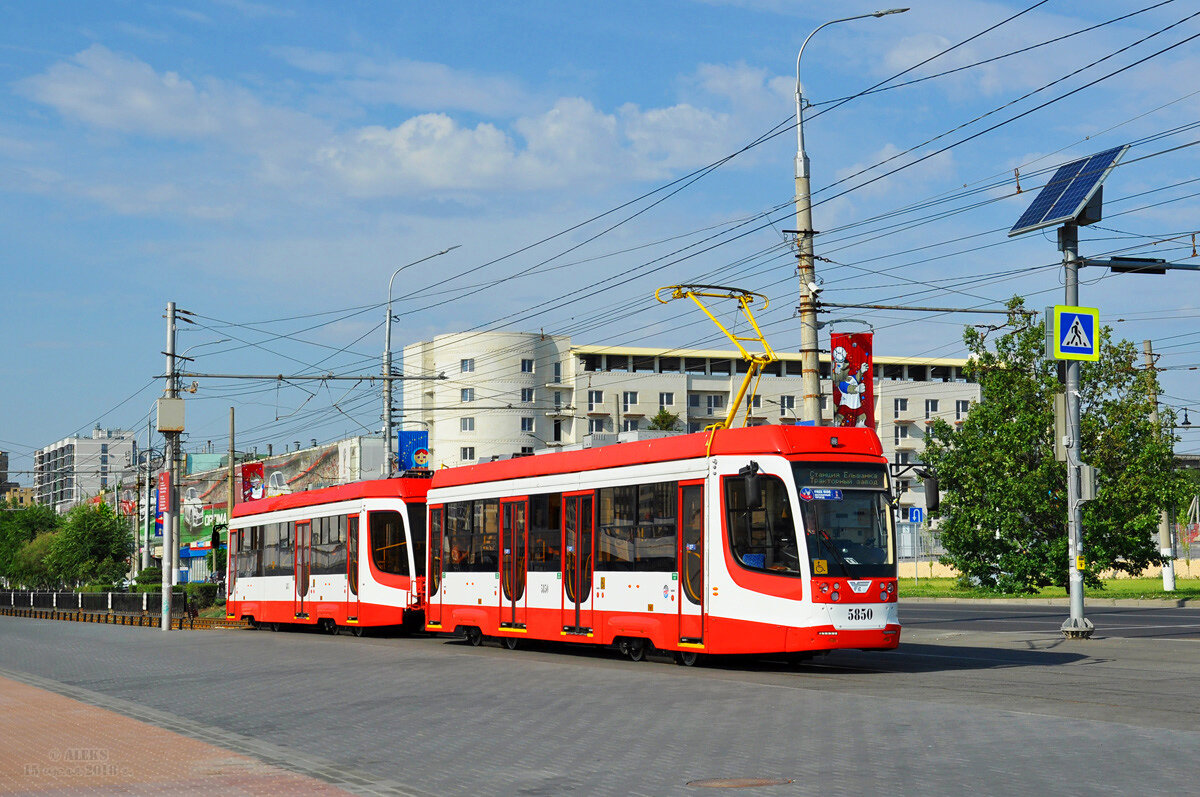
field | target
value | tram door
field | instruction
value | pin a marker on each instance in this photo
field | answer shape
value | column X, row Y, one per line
column 303, row 565
column 433, row 581
column 691, row 563
column 352, row 567
column 578, row 561
column 514, row 533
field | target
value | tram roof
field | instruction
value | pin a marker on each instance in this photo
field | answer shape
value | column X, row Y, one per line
column 797, row 442
column 404, row 488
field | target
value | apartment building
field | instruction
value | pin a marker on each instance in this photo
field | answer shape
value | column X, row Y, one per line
column 70, row 471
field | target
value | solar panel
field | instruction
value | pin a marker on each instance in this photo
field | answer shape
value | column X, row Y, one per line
column 1068, row 192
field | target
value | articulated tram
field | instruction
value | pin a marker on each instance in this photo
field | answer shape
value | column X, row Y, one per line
column 768, row 539
column 761, row 540
column 347, row 557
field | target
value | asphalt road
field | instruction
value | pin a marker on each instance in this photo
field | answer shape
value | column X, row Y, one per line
column 1016, row 710
column 1158, row 620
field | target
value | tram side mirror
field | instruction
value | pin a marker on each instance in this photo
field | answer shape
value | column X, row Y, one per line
column 933, row 498
column 754, row 497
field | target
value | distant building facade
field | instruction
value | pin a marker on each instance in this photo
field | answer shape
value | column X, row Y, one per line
column 511, row 393
column 70, row 471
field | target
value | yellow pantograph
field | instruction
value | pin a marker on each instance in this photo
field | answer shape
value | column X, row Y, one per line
column 756, row 361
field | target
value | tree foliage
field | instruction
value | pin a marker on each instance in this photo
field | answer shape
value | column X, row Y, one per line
column 664, row 421
column 19, row 526
column 1004, row 507
column 93, row 547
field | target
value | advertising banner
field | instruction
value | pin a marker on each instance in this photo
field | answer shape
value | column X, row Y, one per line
column 414, row 450
column 254, row 484
column 164, row 491
column 853, row 386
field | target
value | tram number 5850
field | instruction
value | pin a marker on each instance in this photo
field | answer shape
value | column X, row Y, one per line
column 854, row 613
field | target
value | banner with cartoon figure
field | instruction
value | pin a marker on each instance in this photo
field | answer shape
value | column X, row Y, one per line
column 253, row 483
column 853, row 387
column 414, row 450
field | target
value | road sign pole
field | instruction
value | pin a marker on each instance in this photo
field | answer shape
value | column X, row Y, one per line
column 1076, row 626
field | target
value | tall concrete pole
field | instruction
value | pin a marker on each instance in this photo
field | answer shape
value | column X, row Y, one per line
column 1165, row 544
column 169, row 454
column 387, row 365
column 1076, row 626
column 810, row 374
column 148, row 526
column 232, row 495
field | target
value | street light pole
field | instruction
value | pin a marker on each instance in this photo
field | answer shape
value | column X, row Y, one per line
column 809, row 347
column 387, row 365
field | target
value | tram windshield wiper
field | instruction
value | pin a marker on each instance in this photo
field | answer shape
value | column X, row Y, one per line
column 823, row 538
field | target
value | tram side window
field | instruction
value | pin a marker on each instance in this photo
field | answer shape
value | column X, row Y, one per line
column 287, row 549
column 270, row 533
column 389, row 547
column 545, row 532
column 763, row 538
column 637, row 529
column 336, row 565
column 417, row 532
column 472, row 536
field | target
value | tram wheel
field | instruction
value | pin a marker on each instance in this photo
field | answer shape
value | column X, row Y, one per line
column 474, row 636
column 273, row 626
column 329, row 626
column 637, row 649
column 357, row 630
column 686, row 658
column 510, row 642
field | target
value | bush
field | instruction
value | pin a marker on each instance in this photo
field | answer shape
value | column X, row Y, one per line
column 149, row 580
column 203, row 594
column 98, row 588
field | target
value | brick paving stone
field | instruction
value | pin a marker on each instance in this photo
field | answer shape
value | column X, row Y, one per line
column 53, row 745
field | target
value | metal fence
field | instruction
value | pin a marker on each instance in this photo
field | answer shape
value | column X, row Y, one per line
column 111, row 602
column 914, row 541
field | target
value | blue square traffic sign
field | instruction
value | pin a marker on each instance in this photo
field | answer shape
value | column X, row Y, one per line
column 1076, row 333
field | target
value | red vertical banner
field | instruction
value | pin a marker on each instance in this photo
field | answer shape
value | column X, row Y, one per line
column 253, row 483
column 164, row 492
column 853, row 386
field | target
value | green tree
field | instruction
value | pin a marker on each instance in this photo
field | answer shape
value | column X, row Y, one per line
column 20, row 526
column 93, row 546
column 664, row 421
column 1004, row 507
column 31, row 565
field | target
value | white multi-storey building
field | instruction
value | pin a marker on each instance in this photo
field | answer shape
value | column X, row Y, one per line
column 510, row 393
column 74, row 469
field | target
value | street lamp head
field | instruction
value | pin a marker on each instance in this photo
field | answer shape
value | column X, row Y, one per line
column 889, row 11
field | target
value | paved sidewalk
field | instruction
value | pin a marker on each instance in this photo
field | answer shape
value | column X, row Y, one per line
column 51, row 744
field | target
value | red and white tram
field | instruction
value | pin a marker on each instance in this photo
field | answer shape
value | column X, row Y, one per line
column 768, row 539
column 341, row 557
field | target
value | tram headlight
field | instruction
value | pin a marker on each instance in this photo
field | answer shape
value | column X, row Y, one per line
column 824, row 588
column 891, row 587
column 835, row 596
column 883, row 595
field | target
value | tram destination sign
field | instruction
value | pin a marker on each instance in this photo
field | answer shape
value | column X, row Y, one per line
column 860, row 477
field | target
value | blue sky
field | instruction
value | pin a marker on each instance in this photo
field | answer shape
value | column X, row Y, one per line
column 267, row 166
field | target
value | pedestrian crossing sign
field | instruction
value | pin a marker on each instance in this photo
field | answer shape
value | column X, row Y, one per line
column 1076, row 333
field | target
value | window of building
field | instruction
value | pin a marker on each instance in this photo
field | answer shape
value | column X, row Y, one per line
column 557, row 372
column 526, row 394
column 628, row 399
column 467, row 394
column 756, row 402
column 899, row 407
column 526, row 449
column 557, row 400
column 466, row 424
column 666, row 400
column 787, row 405
column 466, row 453
column 961, row 408
column 595, row 425
column 694, row 400
column 901, row 430
column 526, row 366
column 595, row 400
column 715, row 404
column 629, row 424
column 466, row 366
column 902, row 457
column 527, row 424
column 931, row 408
column 557, row 436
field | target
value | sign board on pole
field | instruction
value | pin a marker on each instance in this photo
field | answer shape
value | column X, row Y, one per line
column 916, row 515
column 1076, row 333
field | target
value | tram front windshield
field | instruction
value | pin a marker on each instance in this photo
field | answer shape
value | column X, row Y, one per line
column 846, row 519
